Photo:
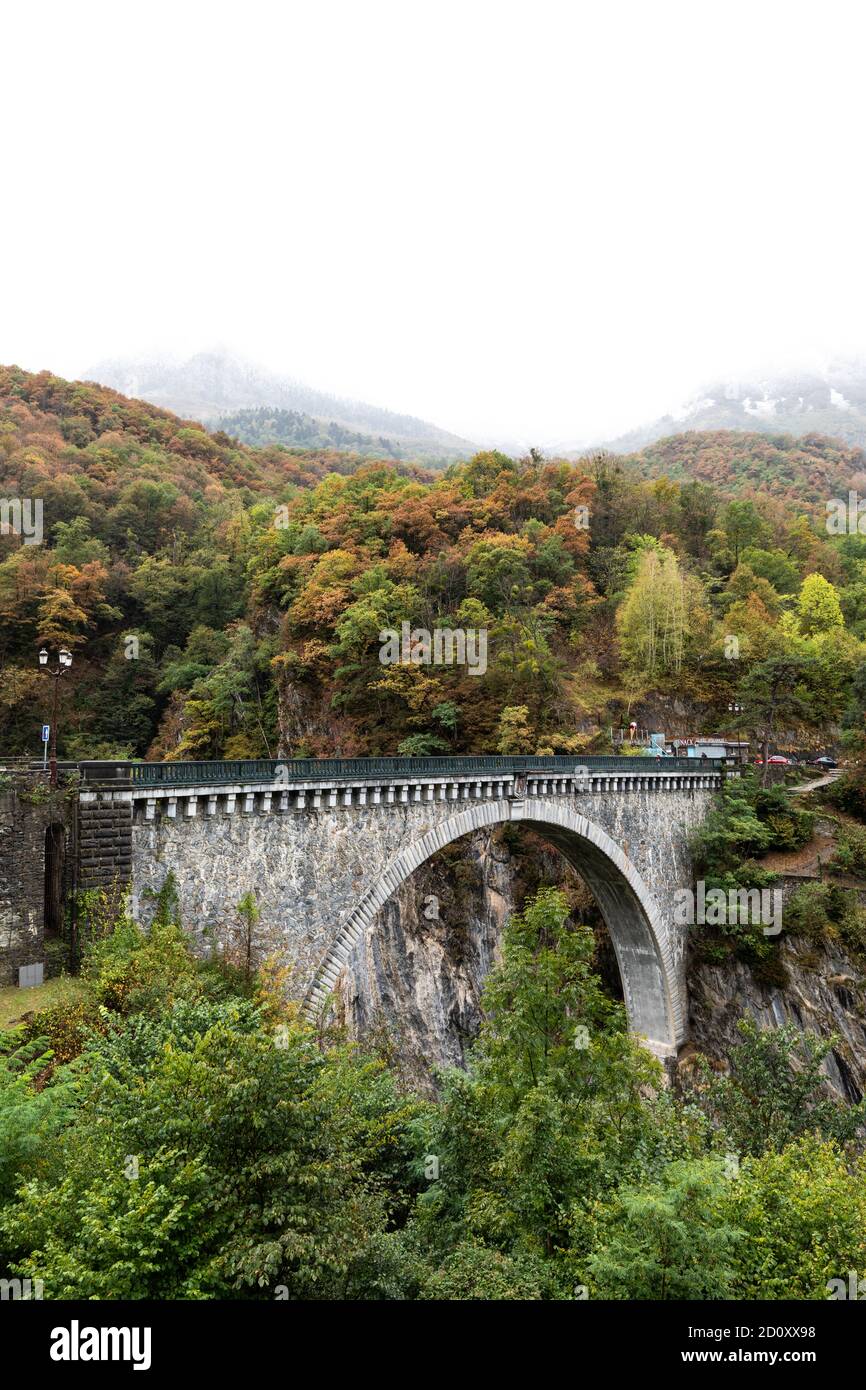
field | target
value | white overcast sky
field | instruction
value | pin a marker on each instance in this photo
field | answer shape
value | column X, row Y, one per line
column 543, row 221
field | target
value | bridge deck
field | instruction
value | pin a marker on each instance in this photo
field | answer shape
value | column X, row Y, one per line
column 294, row 771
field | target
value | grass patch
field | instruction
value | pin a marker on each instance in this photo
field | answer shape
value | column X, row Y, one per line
column 14, row 1002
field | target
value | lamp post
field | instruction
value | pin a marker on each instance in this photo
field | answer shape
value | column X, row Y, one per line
column 736, row 710
column 64, row 661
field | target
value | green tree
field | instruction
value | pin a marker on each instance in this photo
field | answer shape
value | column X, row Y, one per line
column 667, row 1240
column 553, row 1111
column 214, row 1163
column 744, row 527
column 802, row 1211
column 818, row 607
column 776, row 1091
column 774, row 696
column 772, row 565
column 656, row 615
column 515, row 735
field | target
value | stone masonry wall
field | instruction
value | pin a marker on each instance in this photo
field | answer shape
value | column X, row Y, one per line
column 104, row 840
column 27, row 808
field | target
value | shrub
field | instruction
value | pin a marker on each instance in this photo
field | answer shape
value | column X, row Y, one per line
column 732, row 831
column 665, row 1240
column 746, row 938
column 30, row 1113
column 775, row 1091
column 478, row 1274
column 789, row 825
column 749, row 820
column 803, row 1212
column 66, row 1026
column 141, row 971
column 827, row 912
column 850, row 855
column 849, row 795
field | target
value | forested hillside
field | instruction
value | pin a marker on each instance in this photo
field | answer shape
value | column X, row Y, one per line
column 811, row 468
column 256, row 583
column 300, row 431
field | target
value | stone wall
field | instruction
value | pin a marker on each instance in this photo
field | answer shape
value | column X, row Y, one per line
column 27, row 809
column 104, row 840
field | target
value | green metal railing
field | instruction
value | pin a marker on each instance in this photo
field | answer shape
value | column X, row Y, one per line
column 288, row 770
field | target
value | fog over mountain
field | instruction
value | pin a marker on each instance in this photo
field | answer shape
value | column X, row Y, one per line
column 222, row 389
column 830, row 402
column 210, row 386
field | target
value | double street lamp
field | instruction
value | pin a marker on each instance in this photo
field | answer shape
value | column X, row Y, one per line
column 64, row 661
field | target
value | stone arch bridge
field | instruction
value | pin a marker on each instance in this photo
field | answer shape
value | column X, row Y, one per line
column 323, row 844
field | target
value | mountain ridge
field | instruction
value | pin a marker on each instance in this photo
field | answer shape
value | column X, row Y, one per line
column 209, row 386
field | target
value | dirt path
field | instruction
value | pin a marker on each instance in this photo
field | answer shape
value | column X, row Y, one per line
column 813, row 859
column 808, row 861
column 823, row 781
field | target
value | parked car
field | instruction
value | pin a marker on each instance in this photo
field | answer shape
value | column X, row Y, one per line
column 780, row 761
column 824, row 761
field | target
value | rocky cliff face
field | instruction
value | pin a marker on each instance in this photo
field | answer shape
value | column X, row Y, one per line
column 823, row 993
column 413, row 983
column 415, row 979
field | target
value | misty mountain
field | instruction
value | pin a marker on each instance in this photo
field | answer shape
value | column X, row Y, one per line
column 831, row 403
column 212, row 385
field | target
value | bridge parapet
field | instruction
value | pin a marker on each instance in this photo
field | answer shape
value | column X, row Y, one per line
column 150, row 800
column 300, row 770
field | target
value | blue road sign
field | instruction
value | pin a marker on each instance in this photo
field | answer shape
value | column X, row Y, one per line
column 46, row 732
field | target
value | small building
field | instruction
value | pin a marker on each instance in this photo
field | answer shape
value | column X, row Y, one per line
column 733, row 750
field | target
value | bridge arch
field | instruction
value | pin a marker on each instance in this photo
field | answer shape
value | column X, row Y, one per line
column 642, row 942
